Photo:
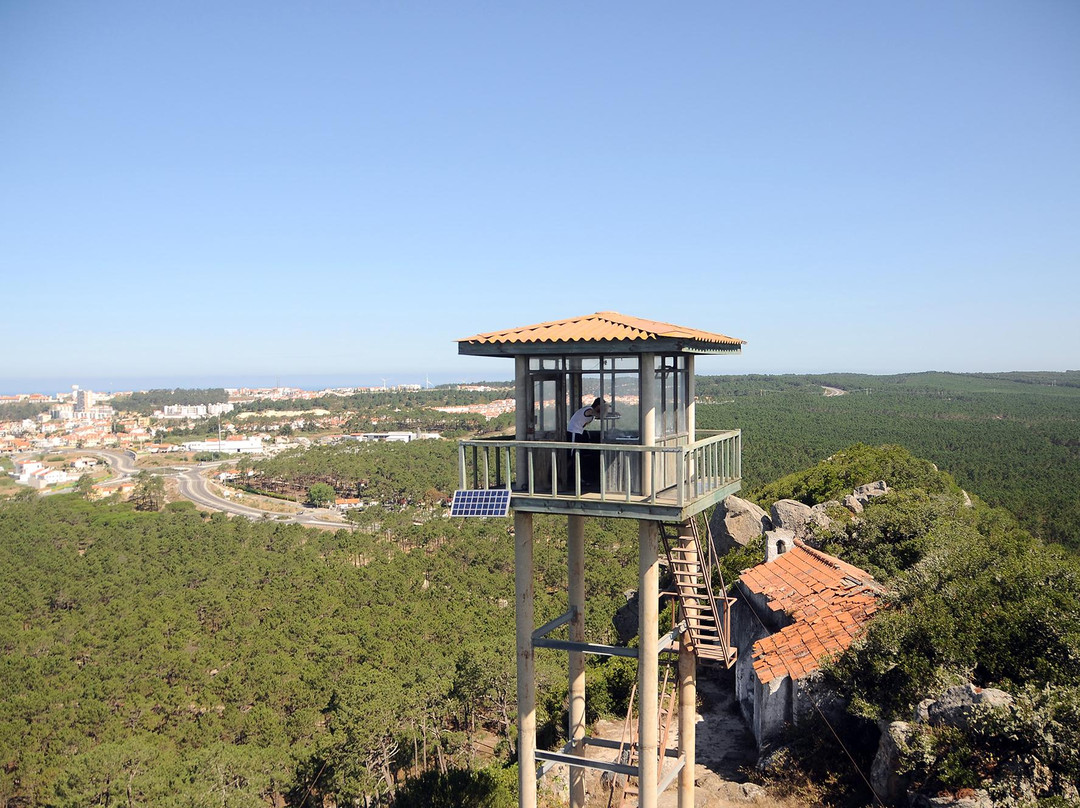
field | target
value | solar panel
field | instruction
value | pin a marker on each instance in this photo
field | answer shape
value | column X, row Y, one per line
column 483, row 502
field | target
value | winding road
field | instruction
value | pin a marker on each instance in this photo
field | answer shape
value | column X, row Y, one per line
column 196, row 488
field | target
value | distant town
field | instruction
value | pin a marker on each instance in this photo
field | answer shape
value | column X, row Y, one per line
column 85, row 419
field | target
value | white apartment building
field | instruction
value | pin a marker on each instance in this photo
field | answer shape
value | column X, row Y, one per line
column 234, row 445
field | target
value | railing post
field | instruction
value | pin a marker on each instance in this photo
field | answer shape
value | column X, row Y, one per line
column 683, row 471
column 554, row 473
column 577, row 473
column 603, row 475
column 738, row 454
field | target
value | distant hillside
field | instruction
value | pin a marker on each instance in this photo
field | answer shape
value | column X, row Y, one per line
column 1013, row 438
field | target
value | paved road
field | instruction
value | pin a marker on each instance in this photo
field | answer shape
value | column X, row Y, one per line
column 121, row 463
column 194, row 487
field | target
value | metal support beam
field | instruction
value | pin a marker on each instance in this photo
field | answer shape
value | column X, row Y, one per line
column 551, row 625
column 587, row 648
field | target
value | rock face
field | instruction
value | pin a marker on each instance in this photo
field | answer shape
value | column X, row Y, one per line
column 818, row 515
column 851, row 502
column 956, row 707
column 788, row 514
column 884, row 778
column 970, row 798
column 737, row 522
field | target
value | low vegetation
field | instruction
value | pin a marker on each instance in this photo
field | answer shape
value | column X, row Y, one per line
column 153, row 658
column 971, row 597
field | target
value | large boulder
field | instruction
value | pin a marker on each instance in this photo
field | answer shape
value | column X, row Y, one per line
column 818, row 513
column 851, row 502
column 958, row 705
column 737, row 522
column 789, row 514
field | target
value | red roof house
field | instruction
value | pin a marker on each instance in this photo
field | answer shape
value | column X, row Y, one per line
column 794, row 610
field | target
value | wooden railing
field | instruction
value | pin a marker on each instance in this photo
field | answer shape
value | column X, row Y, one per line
column 611, row 472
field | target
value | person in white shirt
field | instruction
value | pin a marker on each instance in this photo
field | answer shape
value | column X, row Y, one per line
column 575, row 430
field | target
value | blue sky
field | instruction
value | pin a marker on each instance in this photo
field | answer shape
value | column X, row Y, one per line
column 345, row 188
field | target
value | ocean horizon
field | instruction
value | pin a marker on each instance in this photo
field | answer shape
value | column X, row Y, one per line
column 114, row 384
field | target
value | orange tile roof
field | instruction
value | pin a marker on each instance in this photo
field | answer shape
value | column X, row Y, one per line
column 603, row 326
column 828, row 599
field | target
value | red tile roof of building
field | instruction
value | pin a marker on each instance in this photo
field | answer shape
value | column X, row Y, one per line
column 828, row 599
column 603, row 326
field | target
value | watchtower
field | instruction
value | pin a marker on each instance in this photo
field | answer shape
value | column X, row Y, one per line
column 640, row 458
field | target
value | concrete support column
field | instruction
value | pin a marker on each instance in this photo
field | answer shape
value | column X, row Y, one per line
column 575, row 544
column 691, row 397
column 648, row 424
column 526, row 666
column 521, row 416
column 648, row 661
column 687, row 716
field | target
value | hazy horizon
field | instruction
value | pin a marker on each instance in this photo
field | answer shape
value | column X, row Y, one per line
column 307, row 381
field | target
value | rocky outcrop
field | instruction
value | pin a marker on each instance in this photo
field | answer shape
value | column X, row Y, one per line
column 819, row 515
column 737, row 522
column 958, row 705
column 800, row 519
column 864, row 493
column 851, row 502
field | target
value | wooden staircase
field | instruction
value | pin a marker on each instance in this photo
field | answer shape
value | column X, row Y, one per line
column 707, row 616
